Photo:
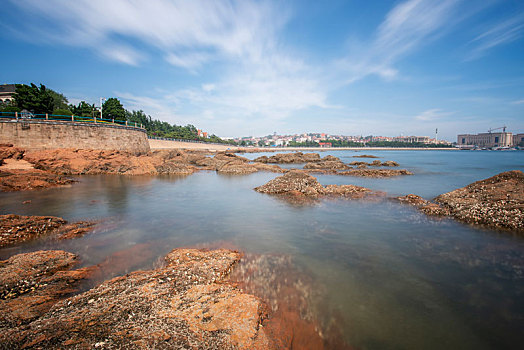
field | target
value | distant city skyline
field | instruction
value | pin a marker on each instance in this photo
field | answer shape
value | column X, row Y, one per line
column 250, row 68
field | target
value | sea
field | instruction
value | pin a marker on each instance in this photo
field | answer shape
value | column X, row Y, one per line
column 384, row 274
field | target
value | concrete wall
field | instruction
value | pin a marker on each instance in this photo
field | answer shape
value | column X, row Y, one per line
column 33, row 134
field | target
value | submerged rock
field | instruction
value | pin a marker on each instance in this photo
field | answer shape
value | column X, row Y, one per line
column 22, row 180
column 186, row 304
column 365, row 156
column 423, row 205
column 375, row 172
column 16, row 228
column 496, row 202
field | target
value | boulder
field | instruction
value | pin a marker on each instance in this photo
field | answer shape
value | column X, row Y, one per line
column 496, row 202
column 32, row 179
column 293, row 181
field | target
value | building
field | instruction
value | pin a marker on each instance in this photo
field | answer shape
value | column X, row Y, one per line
column 6, row 92
column 487, row 139
column 518, row 140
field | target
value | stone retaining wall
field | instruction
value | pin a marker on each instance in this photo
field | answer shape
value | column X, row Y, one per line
column 36, row 134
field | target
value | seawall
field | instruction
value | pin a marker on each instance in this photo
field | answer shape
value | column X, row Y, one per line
column 39, row 134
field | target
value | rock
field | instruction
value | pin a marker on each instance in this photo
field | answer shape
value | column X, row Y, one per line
column 269, row 167
column 496, row 202
column 365, row 156
column 348, row 191
column 359, row 163
column 296, row 184
column 7, row 151
column 293, row 180
column 236, row 168
column 375, row 172
column 175, row 168
column 186, row 304
column 15, row 229
column 31, row 283
column 289, row 158
column 21, row 180
column 389, row 163
column 376, row 163
column 423, row 205
column 327, row 165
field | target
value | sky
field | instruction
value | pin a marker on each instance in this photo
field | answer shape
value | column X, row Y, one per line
column 251, row 68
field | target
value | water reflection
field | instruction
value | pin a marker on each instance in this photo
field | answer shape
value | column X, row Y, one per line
column 381, row 274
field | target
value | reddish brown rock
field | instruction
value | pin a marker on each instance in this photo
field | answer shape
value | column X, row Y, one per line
column 496, row 202
column 186, row 304
column 375, row 172
column 269, row 167
column 365, row 156
column 294, row 180
column 423, row 205
column 22, row 180
column 289, row 158
column 236, row 168
column 297, row 183
column 31, row 283
column 15, row 229
column 327, row 165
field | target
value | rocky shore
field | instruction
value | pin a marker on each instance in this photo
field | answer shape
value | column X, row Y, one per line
column 496, row 202
column 15, row 229
column 187, row 303
column 297, row 183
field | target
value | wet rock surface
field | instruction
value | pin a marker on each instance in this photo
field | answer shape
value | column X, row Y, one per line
column 365, row 156
column 31, row 283
column 496, row 202
column 185, row 304
column 22, row 180
column 289, row 158
column 375, row 172
column 297, row 183
column 15, row 229
column 423, row 205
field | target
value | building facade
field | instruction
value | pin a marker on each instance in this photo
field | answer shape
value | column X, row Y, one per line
column 518, row 140
column 6, row 92
column 494, row 139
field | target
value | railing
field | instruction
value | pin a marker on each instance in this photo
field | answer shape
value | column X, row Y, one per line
column 26, row 116
column 193, row 141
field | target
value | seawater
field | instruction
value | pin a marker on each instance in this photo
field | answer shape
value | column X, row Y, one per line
column 390, row 276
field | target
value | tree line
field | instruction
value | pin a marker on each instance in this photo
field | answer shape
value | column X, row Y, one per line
column 42, row 100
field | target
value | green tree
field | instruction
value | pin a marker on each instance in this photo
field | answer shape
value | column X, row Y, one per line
column 84, row 109
column 60, row 102
column 113, row 109
column 35, row 99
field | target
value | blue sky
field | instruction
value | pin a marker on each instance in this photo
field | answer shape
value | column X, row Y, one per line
column 239, row 68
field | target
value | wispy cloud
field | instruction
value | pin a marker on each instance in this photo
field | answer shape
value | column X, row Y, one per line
column 518, row 102
column 408, row 26
column 504, row 32
column 432, row 114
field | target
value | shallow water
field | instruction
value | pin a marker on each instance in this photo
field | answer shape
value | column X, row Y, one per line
column 387, row 275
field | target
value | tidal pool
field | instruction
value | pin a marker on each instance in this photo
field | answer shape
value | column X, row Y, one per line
column 385, row 275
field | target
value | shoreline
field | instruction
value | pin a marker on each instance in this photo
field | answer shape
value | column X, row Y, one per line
column 164, row 144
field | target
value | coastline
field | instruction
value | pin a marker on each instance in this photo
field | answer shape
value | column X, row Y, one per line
column 165, row 144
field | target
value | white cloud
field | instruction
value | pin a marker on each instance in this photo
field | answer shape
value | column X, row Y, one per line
column 518, row 102
column 504, row 32
column 432, row 114
column 407, row 26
